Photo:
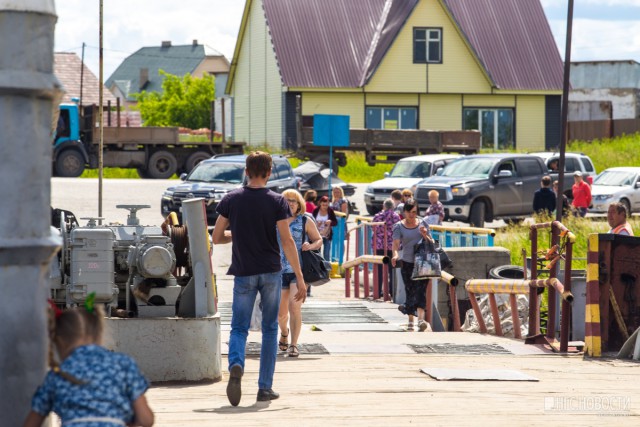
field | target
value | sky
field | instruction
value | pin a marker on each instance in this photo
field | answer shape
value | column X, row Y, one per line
column 602, row 29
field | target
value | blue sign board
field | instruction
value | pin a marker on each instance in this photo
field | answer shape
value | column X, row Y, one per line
column 330, row 130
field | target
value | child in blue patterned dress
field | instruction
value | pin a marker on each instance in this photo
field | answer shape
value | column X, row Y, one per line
column 92, row 387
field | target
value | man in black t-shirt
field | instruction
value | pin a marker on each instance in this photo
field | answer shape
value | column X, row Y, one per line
column 253, row 213
column 544, row 199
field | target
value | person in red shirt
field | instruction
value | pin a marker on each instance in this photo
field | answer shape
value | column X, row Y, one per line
column 310, row 200
column 581, row 195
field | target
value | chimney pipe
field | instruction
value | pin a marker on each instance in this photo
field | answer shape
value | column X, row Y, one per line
column 144, row 77
column 195, row 42
column 166, row 43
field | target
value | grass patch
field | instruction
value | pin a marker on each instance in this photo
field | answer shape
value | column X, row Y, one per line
column 112, row 173
column 610, row 153
column 515, row 237
column 357, row 169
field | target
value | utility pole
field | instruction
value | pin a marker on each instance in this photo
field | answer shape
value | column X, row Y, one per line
column 565, row 112
column 29, row 95
column 100, row 120
column 81, row 77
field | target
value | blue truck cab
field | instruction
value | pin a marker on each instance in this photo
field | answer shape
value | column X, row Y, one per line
column 69, row 153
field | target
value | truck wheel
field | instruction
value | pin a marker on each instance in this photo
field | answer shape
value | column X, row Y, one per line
column 162, row 165
column 324, row 159
column 70, row 164
column 142, row 173
column 372, row 210
column 477, row 214
column 194, row 159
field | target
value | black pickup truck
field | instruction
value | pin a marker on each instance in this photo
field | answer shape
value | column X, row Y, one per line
column 485, row 187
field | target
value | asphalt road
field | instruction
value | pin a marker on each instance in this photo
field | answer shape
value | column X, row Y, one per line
column 80, row 196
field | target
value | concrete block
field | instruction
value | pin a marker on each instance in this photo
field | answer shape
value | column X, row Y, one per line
column 169, row 349
column 470, row 263
column 162, row 302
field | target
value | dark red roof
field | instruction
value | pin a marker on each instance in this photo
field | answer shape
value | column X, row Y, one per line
column 340, row 43
column 67, row 68
column 333, row 43
column 513, row 41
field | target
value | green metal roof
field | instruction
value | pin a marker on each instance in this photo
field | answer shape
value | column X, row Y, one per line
column 177, row 60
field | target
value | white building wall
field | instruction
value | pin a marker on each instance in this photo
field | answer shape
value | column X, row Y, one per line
column 624, row 101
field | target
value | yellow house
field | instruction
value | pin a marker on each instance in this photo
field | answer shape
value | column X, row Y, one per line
column 490, row 65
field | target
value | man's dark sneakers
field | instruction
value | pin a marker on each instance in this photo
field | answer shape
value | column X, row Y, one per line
column 266, row 395
column 234, row 389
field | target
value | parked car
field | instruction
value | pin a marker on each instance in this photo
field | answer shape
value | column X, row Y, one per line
column 616, row 185
column 213, row 178
column 485, row 187
column 405, row 174
column 315, row 176
column 572, row 162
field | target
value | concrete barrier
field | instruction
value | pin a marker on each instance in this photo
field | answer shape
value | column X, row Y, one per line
column 169, row 349
column 469, row 263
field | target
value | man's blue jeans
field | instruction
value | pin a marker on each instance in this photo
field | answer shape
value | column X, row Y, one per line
column 245, row 290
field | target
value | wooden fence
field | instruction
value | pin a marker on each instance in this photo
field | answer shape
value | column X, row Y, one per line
column 598, row 129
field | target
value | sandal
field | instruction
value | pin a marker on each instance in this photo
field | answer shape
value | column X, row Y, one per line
column 283, row 345
column 410, row 327
column 293, row 351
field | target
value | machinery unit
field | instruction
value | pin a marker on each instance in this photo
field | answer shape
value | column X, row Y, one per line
column 136, row 270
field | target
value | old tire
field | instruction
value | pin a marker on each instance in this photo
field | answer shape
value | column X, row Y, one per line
column 478, row 214
column 70, row 163
column 324, row 159
column 194, row 159
column 162, row 165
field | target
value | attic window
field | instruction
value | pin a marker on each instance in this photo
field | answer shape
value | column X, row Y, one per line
column 427, row 45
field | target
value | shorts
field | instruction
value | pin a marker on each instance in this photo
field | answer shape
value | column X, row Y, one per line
column 287, row 278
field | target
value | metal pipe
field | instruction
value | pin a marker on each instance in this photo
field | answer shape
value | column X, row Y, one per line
column 454, row 309
column 495, row 315
column 515, row 316
column 428, row 312
column 373, row 259
column 515, row 286
column 385, row 281
column 29, row 95
column 551, row 293
column 566, row 306
column 347, row 274
column 534, row 312
column 467, row 230
column 478, row 313
column 365, row 278
column 449, row 278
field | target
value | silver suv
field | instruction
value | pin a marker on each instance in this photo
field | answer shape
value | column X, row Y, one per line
column 572, row 162
column 405, row 174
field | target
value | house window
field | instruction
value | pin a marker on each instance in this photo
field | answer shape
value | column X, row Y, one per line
column 427, row 45
column 494, row 124
column 392, row 118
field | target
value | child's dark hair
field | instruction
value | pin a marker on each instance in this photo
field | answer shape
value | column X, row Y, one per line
column 410, row 204
column 70, row 325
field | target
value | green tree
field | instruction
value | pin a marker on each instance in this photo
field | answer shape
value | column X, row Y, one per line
column 184, row 102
